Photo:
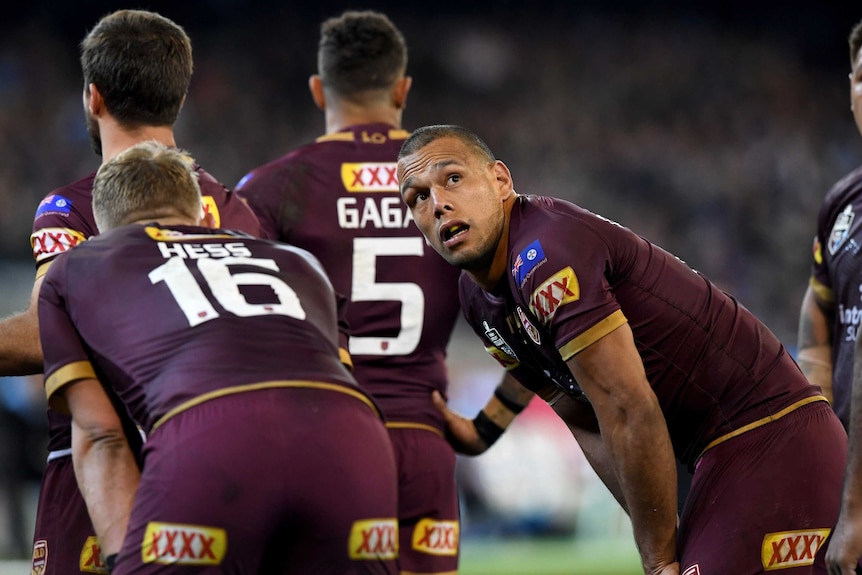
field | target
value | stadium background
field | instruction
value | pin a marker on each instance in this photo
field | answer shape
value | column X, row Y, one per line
column 712, row 128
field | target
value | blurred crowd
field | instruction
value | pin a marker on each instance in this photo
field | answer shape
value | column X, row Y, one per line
column 716, row 144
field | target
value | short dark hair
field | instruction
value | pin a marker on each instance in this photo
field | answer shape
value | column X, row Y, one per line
column 427, row 134
column 141, row 62
column 855, row 42
column 147, row 180
column 360, row 51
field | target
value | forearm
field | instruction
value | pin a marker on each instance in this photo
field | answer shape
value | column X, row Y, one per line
column 640, row 446
column 108, row 478
column 581, row 421
column 20, row 348
column 814, row 341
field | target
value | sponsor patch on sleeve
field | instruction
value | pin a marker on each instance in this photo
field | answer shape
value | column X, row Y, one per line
column 369, row 177
column 180, row 544
column 373, row 539
column 791, row 548
column 92, row 560
column 558, row 290
column 49, row 242
column 436, row 537
column 530, row 258
column 40, row 557
column 54, row 204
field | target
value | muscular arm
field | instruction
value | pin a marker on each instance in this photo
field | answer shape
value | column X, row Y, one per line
column 582, row 423
column 20, row 348
column 635, row 435
column 105, row 468
column 845, row 548
column 814, row 340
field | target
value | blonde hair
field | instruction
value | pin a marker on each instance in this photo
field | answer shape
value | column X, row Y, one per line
column 148, row 180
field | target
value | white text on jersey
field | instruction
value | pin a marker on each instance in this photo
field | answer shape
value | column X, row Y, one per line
column 198, row 251
column 389, row 212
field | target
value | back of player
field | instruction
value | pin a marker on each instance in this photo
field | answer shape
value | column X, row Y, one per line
column 64, row 220
column 227, row 330
column 338, row 198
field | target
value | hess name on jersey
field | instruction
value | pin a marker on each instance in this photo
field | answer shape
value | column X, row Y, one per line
column 176, row 244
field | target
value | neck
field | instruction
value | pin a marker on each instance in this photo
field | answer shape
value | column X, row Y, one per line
column 167, row 221
column 345, row 114
column 116, row 139
column 489, row 278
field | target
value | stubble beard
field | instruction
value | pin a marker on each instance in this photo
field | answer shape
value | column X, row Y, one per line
column 94, row 133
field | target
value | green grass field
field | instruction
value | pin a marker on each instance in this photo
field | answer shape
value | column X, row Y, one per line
column 554, row 557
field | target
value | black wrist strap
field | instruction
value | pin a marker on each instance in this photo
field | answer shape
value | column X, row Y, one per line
column 508, row 403
column 110, row 561
column 487, row 429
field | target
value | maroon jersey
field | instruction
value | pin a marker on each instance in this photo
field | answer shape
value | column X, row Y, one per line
column 64, row 219
column 836, row 276
column 166, row 315
column 338, row 198
column 574, row 276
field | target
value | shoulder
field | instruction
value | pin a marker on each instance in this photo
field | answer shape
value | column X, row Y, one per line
column 66, row 198
column 289, row 162
column 843, row 191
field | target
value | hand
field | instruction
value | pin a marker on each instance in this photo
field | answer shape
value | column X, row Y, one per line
column 460, row 431
column 845, row 546
column 672, row 569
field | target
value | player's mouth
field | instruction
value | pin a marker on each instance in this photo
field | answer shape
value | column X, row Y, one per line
column 453, row 232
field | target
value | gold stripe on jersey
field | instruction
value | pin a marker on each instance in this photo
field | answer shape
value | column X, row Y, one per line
column 411, row 425
column 345, row 358
column 266, row 385
column 763, row 421
column 392, row 134
column 67, row 374
column 336, row 137
column 43, row 269
column 823, row 292
column 592, row 335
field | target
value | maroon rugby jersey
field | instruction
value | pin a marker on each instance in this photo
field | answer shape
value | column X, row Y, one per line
column 64, row 219
column 171, row 316
column 836, row 276
column 338, row 198
column 574, row 276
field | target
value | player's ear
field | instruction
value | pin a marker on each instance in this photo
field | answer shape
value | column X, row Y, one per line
column 315, row 85
column 503, row 177
column 400, row 91
column 93, row 98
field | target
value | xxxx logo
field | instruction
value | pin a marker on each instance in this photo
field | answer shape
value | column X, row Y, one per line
column 369, row 177
column 374, row 539
column 436, row 537
column 91, row 560
column 171, row 543
column 51, row 241
column 560, row 289
column 791, row 548
column 693, row 570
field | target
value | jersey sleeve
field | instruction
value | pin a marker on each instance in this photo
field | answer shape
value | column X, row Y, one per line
column 66, row 360
column 565, row 286
column 820, row 281
column 58, row 226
